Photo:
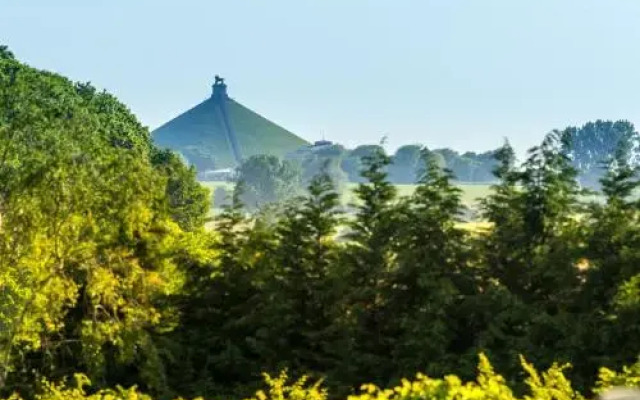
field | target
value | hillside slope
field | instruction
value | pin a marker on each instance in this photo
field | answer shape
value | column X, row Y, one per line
column 200, row 136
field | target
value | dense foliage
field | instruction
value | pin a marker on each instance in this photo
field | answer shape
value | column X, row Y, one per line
column 488, row 384
column 314, row 159
column 106, row 269
column 593, row 144
column 401, row 287
column 94, row 220
column 265, row 179
column 346, row 165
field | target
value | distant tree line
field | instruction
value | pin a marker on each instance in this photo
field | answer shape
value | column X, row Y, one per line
column 267, row 179
column 405, row 163
column 593, row 144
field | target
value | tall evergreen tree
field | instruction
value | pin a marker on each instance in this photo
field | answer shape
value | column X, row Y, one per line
column 369, row 259
column 533, row 212
column 612, row 237
column 432, row 279
column 531, row 280
column 503, row 208
column 300, row 288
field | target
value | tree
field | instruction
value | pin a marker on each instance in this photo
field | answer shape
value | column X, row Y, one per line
column 470, row 166
column 87, row 249
column 105, row 269
column 405, row 164
column 301, row 283
column 323, row 159
column 268, row 180
column 368, row 261
column 6, row 53
column 610, row 265
column 352, row 164
column 432, row 281
column 595, row 142
column 214, row 345
column 530, row 254
column 188, row 201
column 107, row 110
column 503, row 208
column 620, row 179
column 483, row 165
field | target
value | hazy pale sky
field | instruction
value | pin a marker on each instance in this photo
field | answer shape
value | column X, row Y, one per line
column 462, row 74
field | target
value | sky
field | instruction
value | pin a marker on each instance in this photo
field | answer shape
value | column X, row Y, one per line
column 463, row 74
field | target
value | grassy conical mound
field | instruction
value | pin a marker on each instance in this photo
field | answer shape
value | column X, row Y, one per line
column 201, row 134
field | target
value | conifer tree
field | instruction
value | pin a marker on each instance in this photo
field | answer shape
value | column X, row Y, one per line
column 620, row 179
column 369, row 259
column 611, row 266
column 503, row 208
column 432, row 279
column 531, row 281
column 499, row 311
column 212, row 345
column 300, row 287
column 612, row 228
column 533, row 212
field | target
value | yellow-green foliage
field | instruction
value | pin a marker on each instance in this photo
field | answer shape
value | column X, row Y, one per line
column 78, row 391
column 279, row 389
column 489, row 385
column 629, row 377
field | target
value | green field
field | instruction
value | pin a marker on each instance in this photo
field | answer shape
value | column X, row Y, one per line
column 470, row 192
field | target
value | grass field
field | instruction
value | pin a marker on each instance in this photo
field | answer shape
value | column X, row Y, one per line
column 470, row 195
column 470, row 192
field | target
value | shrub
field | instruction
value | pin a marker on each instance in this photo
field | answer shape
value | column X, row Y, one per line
column 51, row 391
column 279, row 389
column 489, row 385
column 629, row 377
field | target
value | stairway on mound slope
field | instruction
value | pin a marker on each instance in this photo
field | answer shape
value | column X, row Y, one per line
column 218, row 131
